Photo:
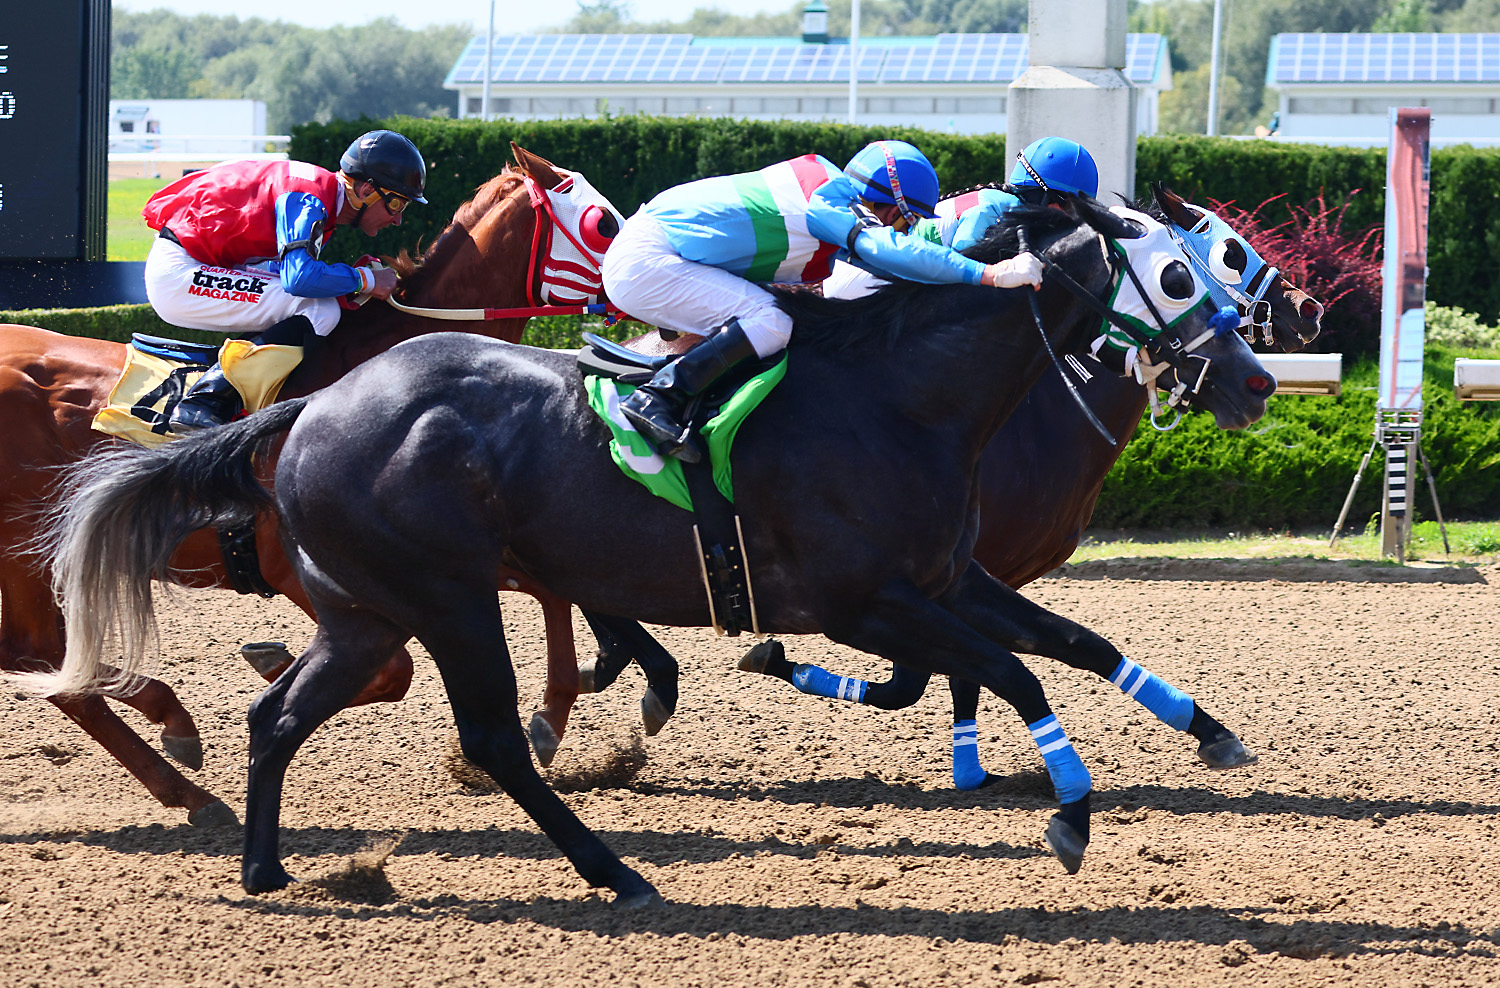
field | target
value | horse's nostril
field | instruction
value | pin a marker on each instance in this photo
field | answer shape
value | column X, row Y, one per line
column 1261, row 385
column 1310, row 310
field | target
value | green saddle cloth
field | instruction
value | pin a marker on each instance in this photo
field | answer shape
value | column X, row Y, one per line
column 662, row 475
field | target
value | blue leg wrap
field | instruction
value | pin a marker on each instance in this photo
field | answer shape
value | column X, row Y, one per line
column 1069, row 778
column 1171, row 706
column 821, row 682
column 966, row 771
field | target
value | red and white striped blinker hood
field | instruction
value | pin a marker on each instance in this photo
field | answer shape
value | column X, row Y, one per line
column 583, row 225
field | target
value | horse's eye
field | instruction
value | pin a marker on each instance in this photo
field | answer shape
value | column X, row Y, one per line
column 1177, row 281
column 598, row 227
column 1228, row 261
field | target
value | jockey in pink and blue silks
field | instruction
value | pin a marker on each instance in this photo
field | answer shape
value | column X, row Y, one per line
column 697, row 255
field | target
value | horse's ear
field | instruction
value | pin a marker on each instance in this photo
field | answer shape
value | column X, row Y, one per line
column 1111, row 224
column 1174, row 206
column 542, row 171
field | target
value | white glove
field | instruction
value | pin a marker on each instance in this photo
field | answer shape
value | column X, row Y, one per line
column 1023, row 269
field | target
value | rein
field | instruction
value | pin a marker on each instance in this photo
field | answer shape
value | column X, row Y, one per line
column 1172, row 353
column 610, row 313
column 543, row 228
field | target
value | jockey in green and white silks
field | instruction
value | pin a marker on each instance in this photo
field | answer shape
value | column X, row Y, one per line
column 694, row 259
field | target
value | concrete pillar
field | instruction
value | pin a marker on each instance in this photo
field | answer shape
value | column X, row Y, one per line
column 1075, row 87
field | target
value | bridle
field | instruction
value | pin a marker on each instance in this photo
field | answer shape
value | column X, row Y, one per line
column 1157, row 352
column 541, row 270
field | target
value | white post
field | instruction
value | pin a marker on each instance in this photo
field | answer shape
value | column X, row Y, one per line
column 854, row 62
column 1213, row 74
column 1075, row 87
column 489, row 51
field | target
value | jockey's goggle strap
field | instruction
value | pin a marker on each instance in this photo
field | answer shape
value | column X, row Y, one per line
column 1035, row 177
column 864, row 219
column 312, row 243
column 895, row 182
column 394, row 202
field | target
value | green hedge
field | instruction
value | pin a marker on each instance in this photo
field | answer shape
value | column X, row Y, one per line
column 631, row 158
column 1293, row 468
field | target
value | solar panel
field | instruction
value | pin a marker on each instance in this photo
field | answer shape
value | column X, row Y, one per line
column 1385, row 58
column 987, row 58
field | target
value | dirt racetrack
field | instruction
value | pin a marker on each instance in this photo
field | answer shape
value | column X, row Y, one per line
column 803, row 842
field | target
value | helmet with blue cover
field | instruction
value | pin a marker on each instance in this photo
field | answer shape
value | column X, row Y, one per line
column 896, row 173
column 1056, row 164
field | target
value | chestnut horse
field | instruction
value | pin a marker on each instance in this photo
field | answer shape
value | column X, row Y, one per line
column 52, row 386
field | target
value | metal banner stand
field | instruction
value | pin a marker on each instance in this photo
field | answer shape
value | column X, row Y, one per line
column 1398, row 407
column 1399, row 431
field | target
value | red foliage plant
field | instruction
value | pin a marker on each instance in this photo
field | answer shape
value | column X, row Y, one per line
column 1313, row 251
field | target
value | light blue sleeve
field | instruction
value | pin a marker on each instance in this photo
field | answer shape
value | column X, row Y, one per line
column 976, row 222
column 300, row 218
column 883, row 251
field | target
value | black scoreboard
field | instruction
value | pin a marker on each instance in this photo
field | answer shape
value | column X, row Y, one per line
column 54, row 100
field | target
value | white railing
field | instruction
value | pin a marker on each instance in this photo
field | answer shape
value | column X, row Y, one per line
column 1305, row 373
column 210, row 144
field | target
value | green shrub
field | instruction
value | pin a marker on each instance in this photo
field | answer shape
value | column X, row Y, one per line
column 1457, row 329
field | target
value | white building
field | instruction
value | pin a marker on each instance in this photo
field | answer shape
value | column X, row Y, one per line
column 954, row 83
column 208, row 127
column 1338, row 88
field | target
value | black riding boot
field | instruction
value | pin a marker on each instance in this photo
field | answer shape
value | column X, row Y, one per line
column 655, row 408
column 212, row 400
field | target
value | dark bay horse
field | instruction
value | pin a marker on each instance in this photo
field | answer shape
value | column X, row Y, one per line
column 405, row 486
column 1040, row 478
column 52, row 386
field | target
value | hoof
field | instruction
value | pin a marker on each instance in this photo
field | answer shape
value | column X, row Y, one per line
column 184, row 751
column 544, row 740
column 1067, row 843
column 654, row 713
column 215, row 814
column 760, row 656
column 266, row 658
column 586, row 676
column 265, row 878
column 643, row 898
column 1226, row 752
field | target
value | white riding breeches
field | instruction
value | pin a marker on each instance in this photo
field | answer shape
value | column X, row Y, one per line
column 187, row 293
column 645, row 277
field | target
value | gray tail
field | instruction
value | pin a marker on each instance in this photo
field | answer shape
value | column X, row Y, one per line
column 112, row 526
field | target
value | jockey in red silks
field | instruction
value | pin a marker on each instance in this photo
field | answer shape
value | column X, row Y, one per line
column 697, row 255
column 238, row 244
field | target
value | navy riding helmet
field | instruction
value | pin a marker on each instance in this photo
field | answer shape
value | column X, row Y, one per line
column 389, row 160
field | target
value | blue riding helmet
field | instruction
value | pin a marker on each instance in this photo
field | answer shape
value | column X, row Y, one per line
column 1056, row 164
column 896, row 173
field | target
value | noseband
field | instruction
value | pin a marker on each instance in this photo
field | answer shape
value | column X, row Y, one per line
column 1157, row 353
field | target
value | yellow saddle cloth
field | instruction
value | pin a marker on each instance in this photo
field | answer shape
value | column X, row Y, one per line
column 150, row 387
